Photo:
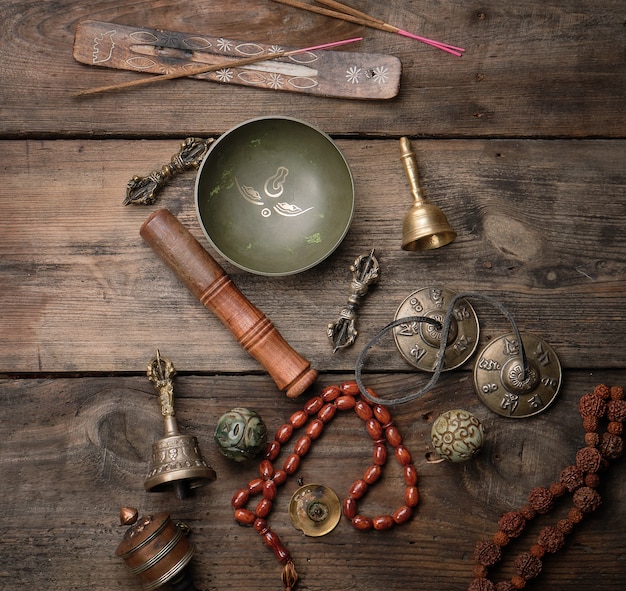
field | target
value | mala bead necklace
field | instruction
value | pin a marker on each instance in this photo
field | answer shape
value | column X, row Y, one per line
column 318, row 411
column 581, row 480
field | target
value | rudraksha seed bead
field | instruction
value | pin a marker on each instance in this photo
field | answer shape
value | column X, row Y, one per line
column 504, row 586
column 487, row 553
column 518, row 582
column 512, row 524
column 500, row 538
column 615, row 428
column 537, row 550
column 617, row 411
column 588, row 459
column 481, row 584
column 602, row 391
column 541, row 499
column 616, row 393
column 587, row 499
column 558, row 489
column 591, row 405
column 592, row 439
column 565, row 526
column 527, row 565
column 590, row 424
column 575, row 515
column 528, row 512
column 572, row 477
column 551, row 539
column 480, row 571
column 592, row 480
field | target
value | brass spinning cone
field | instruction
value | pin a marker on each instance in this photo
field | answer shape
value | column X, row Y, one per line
column 176, row 461
column 425, row 226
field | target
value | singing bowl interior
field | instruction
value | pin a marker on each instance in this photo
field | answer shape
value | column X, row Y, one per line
column 274, row 196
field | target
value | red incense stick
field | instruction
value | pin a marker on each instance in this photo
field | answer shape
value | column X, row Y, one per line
column 184, row 72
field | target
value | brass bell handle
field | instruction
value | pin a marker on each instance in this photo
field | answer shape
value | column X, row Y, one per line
column 409, row 160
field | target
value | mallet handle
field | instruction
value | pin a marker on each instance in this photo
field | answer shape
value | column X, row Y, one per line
column 206, row 279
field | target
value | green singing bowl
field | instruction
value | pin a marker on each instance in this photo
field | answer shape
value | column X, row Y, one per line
column 274, row 196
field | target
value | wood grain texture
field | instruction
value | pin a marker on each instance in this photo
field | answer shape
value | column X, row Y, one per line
column 530, row 69
column 540, row 227
column 521, row 143
column 73, row 451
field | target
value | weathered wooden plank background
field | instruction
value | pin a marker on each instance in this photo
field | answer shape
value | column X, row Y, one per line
column 522, row 143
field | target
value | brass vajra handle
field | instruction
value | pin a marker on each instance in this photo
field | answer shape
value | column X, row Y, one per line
column 142, row 190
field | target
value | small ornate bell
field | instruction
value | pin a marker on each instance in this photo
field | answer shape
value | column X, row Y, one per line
column 156, row 549
column 425, row 226
column 176, row 461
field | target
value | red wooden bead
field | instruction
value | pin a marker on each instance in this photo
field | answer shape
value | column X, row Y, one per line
column 314, row 428
column 245, row 516
column 362, row 522
column 350, row 388
column 255, row 486
column 330, row 393
column 345, row 402
column 358, row 489
column 270, row 489
column 382, row 414
column 327, row 412
column 363, row 411
column 380, row 454
column 349, row 507
column 266, row 469
column 302, row 445
column 298, row 419
column 272, row 450
column 260, row 525
column 410, row 475
column 383, row 522
column 371, row 393
column 292, row 463
column 273, row 541
column 372, row 474
column 263, row 508
column 313, row 406
column 411, row 496
column 403, row 455
column 374, row 428
column 392, row 433
column 403, row 514
column 240, row 498
column 280, row 476
column 284, row 433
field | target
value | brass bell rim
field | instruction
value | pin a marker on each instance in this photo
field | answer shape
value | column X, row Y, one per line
column 193, row 478
column 425, row 227
column 300, row 509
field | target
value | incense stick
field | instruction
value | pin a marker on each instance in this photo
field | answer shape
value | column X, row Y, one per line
column 349, row 14
column 184, row 72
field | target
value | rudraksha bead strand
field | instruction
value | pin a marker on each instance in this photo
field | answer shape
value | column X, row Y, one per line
column 316, row 413
column 580, row 480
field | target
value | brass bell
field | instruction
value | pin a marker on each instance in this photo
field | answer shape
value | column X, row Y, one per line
column 425, row 227
column 176, row 461
column 156, row 549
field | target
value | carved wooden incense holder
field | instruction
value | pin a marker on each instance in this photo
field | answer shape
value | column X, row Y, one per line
column 206, row 279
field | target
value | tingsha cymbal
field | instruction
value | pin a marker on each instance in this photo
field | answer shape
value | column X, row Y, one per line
column 315, row 509
column 419, row 342
column 500, row 382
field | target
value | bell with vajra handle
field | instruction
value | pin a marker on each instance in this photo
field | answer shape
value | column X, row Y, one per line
column 176, row 461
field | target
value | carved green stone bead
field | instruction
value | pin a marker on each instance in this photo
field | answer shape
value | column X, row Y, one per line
column 457, row 435
column 240, row 434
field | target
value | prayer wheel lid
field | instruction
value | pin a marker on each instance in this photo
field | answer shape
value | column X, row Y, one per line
column 141, row 532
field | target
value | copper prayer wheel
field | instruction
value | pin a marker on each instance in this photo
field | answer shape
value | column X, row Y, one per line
column 156, row 550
